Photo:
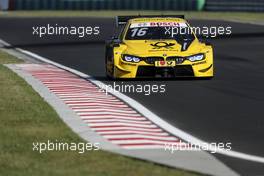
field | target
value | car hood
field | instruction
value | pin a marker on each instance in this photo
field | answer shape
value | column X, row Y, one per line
column 160, row 47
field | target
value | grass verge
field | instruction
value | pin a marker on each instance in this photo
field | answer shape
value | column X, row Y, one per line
column 240, row 16
column 27, row 118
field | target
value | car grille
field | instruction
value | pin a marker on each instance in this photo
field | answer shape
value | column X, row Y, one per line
column 151, row 71
column 151, row 60
column 178, row 60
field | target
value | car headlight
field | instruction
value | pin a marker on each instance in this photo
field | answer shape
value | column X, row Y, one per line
column 197, row 57
column 131, row 58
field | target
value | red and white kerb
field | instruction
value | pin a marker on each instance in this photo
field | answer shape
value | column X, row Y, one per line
column 104, row 113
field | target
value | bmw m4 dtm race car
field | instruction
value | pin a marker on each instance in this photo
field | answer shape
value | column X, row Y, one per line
column 157, row 46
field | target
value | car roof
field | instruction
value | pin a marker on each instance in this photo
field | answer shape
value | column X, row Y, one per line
column 157, row 19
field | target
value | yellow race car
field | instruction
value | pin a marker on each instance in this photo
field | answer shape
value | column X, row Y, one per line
column 157, row 46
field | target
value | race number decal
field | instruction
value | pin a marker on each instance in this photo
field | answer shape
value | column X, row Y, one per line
column 139, row 32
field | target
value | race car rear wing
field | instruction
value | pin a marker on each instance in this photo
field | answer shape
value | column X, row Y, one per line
column 122, row 20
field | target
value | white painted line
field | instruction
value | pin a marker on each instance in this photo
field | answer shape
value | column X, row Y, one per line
column 93, row 107
column 94, row 101
column 127, row 111
column 128, row 128
column 117, row 120
column 106, row 113
column 67, row 82
column 145, row 146
column 170, row 138
column 88, row 97
column 4, row 43
column 71, row 89
column 147, row 113
column 73, row 95
column 136, row 147
column 96, row 104
column 142, row 141
column 133, row 132
column 120, row 124
column 104, row 117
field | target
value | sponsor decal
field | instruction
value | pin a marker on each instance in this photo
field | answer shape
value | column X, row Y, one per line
column 162, row 63
column 160, row 45
column 162, row 50
column 165, row 63
column 170, row 63
column 158, row 24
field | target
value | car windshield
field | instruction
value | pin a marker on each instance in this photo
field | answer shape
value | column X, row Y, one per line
column 159, row 33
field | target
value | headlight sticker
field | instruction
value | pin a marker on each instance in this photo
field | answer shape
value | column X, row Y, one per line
column 129, row 58
column 197, row 57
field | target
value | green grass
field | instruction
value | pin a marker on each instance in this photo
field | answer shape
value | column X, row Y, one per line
column 244, row 16
column 7, row 59
column 26, row 118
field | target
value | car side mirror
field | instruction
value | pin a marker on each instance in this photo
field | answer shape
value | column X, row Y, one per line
column 114, row 38
column 115, row 41
column 203, row 39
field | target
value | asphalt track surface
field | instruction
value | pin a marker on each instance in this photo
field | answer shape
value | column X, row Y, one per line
column 228, row 108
